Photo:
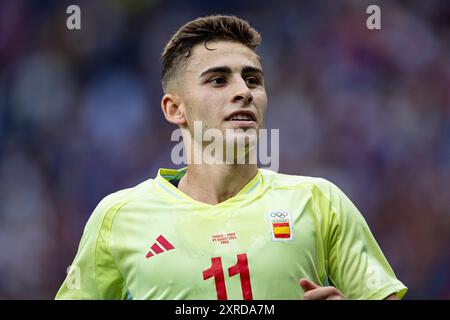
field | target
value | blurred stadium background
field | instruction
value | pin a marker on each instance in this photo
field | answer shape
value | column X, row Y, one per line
column 80, row 118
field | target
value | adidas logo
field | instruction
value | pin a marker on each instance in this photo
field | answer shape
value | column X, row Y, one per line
column 156, row 247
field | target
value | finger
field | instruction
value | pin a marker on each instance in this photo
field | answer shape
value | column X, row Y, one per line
column 308, row 285
column 321, row 293
column 335, row 297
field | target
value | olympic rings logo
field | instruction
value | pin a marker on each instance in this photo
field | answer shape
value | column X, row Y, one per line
column 280, row 215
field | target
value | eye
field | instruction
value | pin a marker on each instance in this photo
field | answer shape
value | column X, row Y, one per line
column 217, row 81
column 252, row 81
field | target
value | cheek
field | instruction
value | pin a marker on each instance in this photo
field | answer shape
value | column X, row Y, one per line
column 261, row 102
column 211, row 104
column 205, row 107
column 213, row 98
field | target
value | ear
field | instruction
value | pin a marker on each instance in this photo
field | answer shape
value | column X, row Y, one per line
column 173, row 109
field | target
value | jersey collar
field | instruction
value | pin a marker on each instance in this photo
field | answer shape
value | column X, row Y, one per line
column 164, row 175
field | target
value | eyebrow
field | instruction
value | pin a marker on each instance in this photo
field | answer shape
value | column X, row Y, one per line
column 224, row 69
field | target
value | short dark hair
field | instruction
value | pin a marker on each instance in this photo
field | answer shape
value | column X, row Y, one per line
column 209, row 28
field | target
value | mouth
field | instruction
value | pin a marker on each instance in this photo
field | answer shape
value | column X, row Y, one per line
column 242, row 116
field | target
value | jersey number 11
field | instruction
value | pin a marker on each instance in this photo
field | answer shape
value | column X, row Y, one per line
column 241, row 267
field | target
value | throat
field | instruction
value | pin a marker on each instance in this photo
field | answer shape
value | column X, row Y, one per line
column 215, row 186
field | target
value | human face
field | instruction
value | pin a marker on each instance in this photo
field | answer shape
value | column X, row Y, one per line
column 223, row 86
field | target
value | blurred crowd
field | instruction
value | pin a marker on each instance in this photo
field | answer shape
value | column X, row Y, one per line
column 367, row 109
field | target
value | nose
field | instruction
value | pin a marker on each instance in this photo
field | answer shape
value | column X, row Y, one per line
column 243, row 93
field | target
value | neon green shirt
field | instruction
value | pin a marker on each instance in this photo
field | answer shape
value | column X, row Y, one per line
column 155, row 242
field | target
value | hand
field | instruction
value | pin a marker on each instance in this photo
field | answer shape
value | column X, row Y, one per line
column 315, row 292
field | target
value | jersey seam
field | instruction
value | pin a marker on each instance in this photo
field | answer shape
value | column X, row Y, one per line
column 333, row 211
column 119, row 204
column 135, row 196
column 98, row 240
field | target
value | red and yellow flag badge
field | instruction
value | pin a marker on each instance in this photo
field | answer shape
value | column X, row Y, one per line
column 280, row 225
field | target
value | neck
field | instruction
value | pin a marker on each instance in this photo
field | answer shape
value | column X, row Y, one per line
column 214, row 184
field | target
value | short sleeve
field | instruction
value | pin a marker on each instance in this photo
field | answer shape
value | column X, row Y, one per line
column 356, row 264
column 93, row 274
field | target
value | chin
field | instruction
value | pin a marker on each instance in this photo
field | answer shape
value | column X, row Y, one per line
column 242, row 142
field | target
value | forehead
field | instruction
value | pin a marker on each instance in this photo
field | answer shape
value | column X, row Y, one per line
column 221, row 53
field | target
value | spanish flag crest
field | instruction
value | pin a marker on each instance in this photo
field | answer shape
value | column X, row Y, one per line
column 280, row 225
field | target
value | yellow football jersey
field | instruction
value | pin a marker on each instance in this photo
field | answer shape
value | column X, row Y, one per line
column 155, row 242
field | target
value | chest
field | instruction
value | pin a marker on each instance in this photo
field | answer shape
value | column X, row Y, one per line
column 178, row 253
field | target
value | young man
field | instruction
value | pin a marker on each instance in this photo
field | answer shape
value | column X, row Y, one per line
column 225, row 231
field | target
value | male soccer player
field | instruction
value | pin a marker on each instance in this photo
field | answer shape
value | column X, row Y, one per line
column 225, row 231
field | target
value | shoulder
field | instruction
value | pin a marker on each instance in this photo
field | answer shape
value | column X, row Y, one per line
column 286, row 181
column 126, row 195
column 324, row 193
column 112, row 203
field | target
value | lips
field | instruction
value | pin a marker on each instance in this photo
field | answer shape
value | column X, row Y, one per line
column 241, row 115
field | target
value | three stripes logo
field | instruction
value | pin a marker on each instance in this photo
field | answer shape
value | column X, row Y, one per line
column 158, row 246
